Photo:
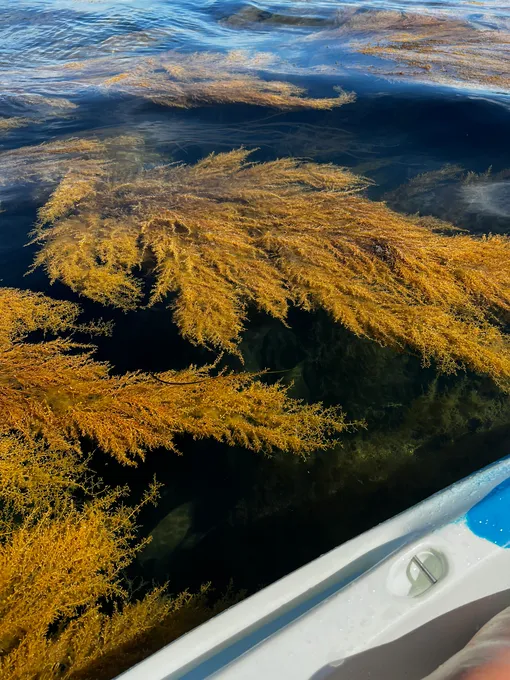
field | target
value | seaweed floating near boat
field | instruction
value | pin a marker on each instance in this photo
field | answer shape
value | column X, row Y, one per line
column 65, row 540
column 68, row 555
column 55, row 392
column 226, row 233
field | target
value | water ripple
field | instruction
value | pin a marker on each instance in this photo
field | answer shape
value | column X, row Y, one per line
column 39, row 37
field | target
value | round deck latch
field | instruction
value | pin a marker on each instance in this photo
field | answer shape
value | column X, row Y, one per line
column 418, row 572
column 425, row 569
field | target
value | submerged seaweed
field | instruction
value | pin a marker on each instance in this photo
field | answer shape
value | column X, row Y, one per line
column 434, row 420
column 36, row 170
column 67, row 609
column 20, row 110
column 13, row 122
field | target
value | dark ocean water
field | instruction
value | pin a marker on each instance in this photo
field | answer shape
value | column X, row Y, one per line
column 230, row 513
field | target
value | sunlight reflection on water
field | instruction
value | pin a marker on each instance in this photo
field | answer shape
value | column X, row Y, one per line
column 38, row 33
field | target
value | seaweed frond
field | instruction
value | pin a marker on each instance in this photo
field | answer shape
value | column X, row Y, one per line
column 188, row 80
column 12, row 123
column 56, row 393
column 66, row 611
column 441, row 49
column 80, row 160
column 226, row 233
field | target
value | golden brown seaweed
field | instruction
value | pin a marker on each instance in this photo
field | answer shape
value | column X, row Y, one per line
column 56, row 392
column 12, row 123
column 226, row 233
column 66, row 608
column 35, row 478
column 189, row 80
column 36, row 109
column 46, row 164
column 66, row 612
column 182, row 80
column 431, row 48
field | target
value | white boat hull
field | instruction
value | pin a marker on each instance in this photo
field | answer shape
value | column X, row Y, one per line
column 443, row 561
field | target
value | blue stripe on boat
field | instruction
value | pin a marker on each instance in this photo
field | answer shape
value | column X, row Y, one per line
column 490, row 517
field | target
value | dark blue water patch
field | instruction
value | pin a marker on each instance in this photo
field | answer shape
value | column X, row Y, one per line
column 490, row 518
column 406, row 120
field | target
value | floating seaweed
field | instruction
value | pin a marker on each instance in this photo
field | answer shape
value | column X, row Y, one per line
column 12, row 123
column 37, row 106
column 188, row 80
column 23, row 110
column 427, row 47
column 226, row 233
column 430, row 48
column 47, row 163
column 73, row 613
column 65, row 541
column 54, row 391
column 40, row 167
column 180, row 80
